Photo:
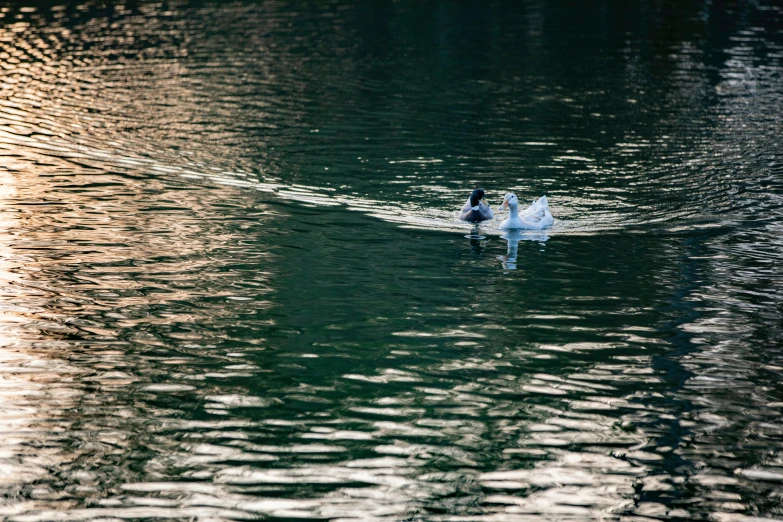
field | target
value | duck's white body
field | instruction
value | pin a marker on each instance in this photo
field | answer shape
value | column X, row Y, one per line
column 535, row 217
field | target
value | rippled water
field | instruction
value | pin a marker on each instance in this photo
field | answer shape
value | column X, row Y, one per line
column 234, row 285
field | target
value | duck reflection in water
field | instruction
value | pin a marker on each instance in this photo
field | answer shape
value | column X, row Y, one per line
column 513, row 237
column 478, row 243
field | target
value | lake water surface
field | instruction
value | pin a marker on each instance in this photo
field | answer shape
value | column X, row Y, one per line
column 233, row 285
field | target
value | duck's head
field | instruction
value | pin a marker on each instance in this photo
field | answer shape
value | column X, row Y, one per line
column 509, row 200
column 476, row 196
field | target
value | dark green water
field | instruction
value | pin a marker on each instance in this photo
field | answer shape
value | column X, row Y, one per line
column 234, row 286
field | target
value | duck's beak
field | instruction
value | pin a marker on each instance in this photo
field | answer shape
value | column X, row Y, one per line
column 503, row 205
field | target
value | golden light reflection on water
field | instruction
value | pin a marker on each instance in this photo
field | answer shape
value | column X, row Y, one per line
column 77, row 286
column 16, row 387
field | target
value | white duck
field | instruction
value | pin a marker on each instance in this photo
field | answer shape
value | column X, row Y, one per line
column 535, row 217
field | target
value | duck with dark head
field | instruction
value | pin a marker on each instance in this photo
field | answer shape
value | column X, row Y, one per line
column 476, row 209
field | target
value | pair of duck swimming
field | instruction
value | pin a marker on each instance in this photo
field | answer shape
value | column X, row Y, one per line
column 535, row 217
